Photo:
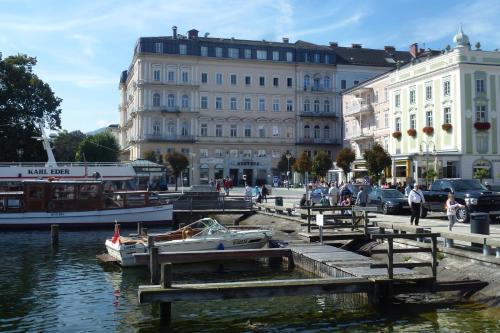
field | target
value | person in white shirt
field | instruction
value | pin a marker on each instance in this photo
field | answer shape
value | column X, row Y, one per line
column 451, row 210
column 415, row 200
column 333, row 195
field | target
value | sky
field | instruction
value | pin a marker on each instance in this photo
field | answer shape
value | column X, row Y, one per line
column 83, row 46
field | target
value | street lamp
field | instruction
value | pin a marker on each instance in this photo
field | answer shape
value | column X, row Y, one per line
column 427, row 145
column 288, row 157
column 192, row 168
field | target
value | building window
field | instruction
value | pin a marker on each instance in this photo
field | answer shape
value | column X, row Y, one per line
column 262, row 81
column 276, row 105
column 233, row 79
column 327, row 59
column 428, row 92
column 316, row 58
column 307, row 81
column 413, row 121
column 447, row 115
column 204, row 78
column 261, row 54
column 428, row 119
column 289, row 105
column 233, row 103
column 182, row 49
column 480, row 113
column 326, row 82
column 326, row 132
column 248, row 130
column 185, row 128
column 262, row 131
column 218, row 78
column 218, row 130
column 233, row 131
column 397, row 100
column 219, row 153
column 204, row 51
column 326, row 106
column 171, row 101
column 185, row 101
column 203, row 152
column 276, row 81
column 276, row 55
column 412, row 96
column 306, row 57
column 446, row 88
column 233, row 53
column 356, row 82
column 248, row 54
column 307, row 132
column 262, row 104
column 171, row 129
column 248, row 80
column 171, row 76
column 204, row 102
column 289, row 56
column 156, row 75
column 316, row 132
column 482, row 164
column 248, row 104
column 247, row 153
column 156, row 127
column 218, row 52
column 156, row 100
column 276, row 131
column 204, row 130
column 307, row 106
column 261, row 153
column 289, row 82
column 185, row 77
column 479, row 86
column 233, row 152
column 482, row 143
column 218, row 103
column 316, row 106
column 343, row 84
column 386, row 119
column 398, row 124
column 158, row 47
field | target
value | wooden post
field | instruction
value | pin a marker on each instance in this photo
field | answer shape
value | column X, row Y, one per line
column 166, row 282
column 365, row 216
column 390, row 258
column 153, row 265
column 139, row 229
column 308, row 219
column 434, row 257
column 54, row 234
column 223, row 203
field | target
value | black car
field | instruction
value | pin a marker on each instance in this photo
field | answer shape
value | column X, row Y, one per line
column 388, row 201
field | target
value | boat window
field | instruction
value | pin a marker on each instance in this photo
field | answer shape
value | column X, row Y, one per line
column 63, row 192
column 35, row 192
column 135, row 199
column 88, row 191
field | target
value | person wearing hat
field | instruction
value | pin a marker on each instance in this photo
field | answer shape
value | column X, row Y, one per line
column 415, row 200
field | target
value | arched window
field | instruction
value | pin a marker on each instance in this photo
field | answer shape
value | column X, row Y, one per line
column 307, row 81
column 171, row 101
column 482, row 165
column 317, row 83
column 326, row 106
column 326, row 132
column 156, row 127
column 326, row 82
column 307, row 106
column 316, row 132
column 156, row 100
column 307, row 132
column 185, row 101
column 185, row 129
column 171, row 128
column 316, row 106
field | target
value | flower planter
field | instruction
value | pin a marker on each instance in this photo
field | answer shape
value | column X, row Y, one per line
column 482, row 126
column 412, row 132
column 446, row 127
column 396, row 135
column 428, row 130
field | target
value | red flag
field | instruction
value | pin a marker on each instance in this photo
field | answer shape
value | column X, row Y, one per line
column 116, row 236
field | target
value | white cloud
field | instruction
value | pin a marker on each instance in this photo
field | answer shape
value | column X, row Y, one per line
column 102, row 123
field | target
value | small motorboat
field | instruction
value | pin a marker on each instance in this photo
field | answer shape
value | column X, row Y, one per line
column 204, row 234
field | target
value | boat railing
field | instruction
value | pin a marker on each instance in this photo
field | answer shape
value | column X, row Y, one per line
column 65, row 164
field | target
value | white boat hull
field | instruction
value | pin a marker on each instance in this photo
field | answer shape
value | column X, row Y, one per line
column 95, row 217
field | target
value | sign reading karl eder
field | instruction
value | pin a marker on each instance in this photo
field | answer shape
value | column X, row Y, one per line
column 44, row 172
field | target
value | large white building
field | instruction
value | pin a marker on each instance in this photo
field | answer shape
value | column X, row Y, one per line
column 234, row 107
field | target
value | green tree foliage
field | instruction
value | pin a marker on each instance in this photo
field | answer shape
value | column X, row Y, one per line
column 481, row 174
column 101, row 147
column 178, row 162
column 377, row 159
column 303, row 164
column 150, row 156
column 344, row 159
column 66, row 144
column 283, row 163
column 25, row 102
column 430, row 175
column 321, row 164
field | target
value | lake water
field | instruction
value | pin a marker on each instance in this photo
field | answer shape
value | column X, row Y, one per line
column 66, row 290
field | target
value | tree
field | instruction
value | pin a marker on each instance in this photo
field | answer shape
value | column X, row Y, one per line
column 66, row 144
column 151, row 156
column 344, row 159
column 430, row 175
column 26, row 102
column 481, row 174
column 377, row 159
column 321, row 164
column 101, row 147
column 283, row 163
column 178, row 162
column 302, row 164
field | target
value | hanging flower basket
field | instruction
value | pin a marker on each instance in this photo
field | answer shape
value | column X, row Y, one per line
column 482, row 126
column 396, row 135
column 412, row 132
column 428, row 130
column 446, row 127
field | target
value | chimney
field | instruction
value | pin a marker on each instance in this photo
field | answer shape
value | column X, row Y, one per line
column 414, row 50
column 193, row 34
column 356, row 46
column 285, row 40
column 174, row 32
column 334, row 45
column 389, row 48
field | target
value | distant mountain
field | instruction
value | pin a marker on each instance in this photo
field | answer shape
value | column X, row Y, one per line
column 97, row 131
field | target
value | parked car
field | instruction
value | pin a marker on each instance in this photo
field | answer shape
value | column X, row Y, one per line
column 317, row 193
column 388, row 201
column 469, row 192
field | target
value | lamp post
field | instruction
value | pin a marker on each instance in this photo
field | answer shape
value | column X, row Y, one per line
column 288, row 157
column 427, row 144
column 192, row 168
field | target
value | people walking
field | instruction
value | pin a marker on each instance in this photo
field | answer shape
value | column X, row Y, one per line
column 451, row 210
column 407, row 190
column 333, row 194
column 415, row 200
column 265, row 192
column 362, row 198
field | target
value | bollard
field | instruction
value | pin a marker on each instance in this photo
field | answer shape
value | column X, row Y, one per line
column 54, row 234
column 139, row 229
column 153, row 265
column 448, row 242
column 486, row 249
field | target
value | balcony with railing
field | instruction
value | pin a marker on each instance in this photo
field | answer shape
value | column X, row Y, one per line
column 318, row 141
column 318, row 114
column 168, row 138
column 357, row 107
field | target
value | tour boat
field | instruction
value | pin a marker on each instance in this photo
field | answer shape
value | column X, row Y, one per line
column 204, row 234
column 44, row 202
